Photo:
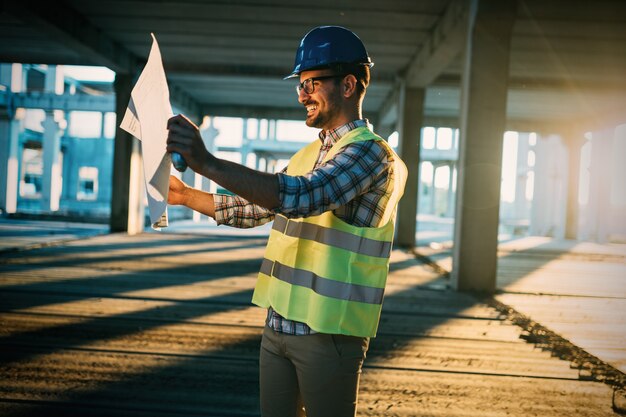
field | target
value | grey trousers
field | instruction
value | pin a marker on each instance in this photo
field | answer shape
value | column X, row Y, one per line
column 318, row 372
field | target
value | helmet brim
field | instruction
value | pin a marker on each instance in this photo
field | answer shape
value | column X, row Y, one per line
column 297, row 73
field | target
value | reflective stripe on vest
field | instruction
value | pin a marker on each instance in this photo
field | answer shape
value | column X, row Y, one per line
column 333, row 237
column 323, row 286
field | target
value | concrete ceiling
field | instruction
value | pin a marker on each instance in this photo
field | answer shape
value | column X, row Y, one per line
column 568, row 59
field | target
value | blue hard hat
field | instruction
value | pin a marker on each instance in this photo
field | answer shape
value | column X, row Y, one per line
column 328, row 45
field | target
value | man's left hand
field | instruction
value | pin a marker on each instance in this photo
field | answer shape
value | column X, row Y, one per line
column 184, row 137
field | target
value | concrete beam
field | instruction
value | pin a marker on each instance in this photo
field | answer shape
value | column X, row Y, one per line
column 444, row 44
column 483, row 118
column 410, row 129
column 65, row 102
column 258, row 112
column 73, row 30
column 84, row 102
column 526, row 83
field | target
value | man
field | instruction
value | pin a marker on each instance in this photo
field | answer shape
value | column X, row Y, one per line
column 325, row 267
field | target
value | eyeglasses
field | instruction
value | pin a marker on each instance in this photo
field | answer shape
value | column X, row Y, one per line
column 308, row 85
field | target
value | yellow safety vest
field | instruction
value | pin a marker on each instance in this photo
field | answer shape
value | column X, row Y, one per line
column 322, row 271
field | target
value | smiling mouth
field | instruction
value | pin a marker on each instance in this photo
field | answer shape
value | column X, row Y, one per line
column 310, row 109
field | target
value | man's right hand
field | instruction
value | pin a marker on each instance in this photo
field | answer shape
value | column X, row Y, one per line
column 178, row 192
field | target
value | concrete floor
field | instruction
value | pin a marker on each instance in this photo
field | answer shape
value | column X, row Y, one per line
column 161, row 325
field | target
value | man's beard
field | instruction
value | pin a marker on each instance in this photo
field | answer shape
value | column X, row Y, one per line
column 322, row 119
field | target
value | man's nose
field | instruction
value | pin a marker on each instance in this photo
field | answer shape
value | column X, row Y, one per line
column 302, row 96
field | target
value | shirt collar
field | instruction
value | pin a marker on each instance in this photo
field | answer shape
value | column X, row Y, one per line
column 335, row 134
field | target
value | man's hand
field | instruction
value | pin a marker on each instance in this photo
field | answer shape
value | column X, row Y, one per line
column 181, row 194
column 177, row 195
column 184, row 137
column 257, row 187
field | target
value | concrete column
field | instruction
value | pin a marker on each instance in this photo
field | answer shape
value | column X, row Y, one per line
column 69, row 171
column 102, row 124
column 52, row 180
column 54, row 80
column 209, row 134
column 450, row 195
column 127, row 198
column 540, row 205
column 433, row 193
column 600, row 183
column 272, row 129
column 105, row 167
column 521, row 203
column 10, row 78
column 547, row 216
column 9, row 161
column 574, row 141
column 483, row 119
column 13, row 76
column 411, row 111
column 244, row 151
column 422, row 190
column 53, row 125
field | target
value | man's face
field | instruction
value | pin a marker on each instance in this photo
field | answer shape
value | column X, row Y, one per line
column 323, row 103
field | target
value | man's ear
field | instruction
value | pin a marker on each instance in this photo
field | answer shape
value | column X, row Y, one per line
column 348, row 85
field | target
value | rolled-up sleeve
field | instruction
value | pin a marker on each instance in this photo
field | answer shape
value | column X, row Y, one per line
column 350, row 173
column 238, row 212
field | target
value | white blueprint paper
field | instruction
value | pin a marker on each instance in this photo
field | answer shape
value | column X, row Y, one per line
column 146, row 119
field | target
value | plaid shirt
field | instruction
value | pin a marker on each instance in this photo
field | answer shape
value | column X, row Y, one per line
column 353, row 184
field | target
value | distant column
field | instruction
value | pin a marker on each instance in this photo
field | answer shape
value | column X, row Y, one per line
column 54, row 82
column 548, row 206
column 450, row 195
column 540, row 205
column 483, row 119
column 127, row 196
column 52, row 175
column 574, row 140
column 433, row 193
column 271, row 165
column 9, row 161
column 53, row 126
column 411, row 108
column 11, row 77
column 271, row 129
column 600, row 183
column 521, row 203
column 103, row 125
